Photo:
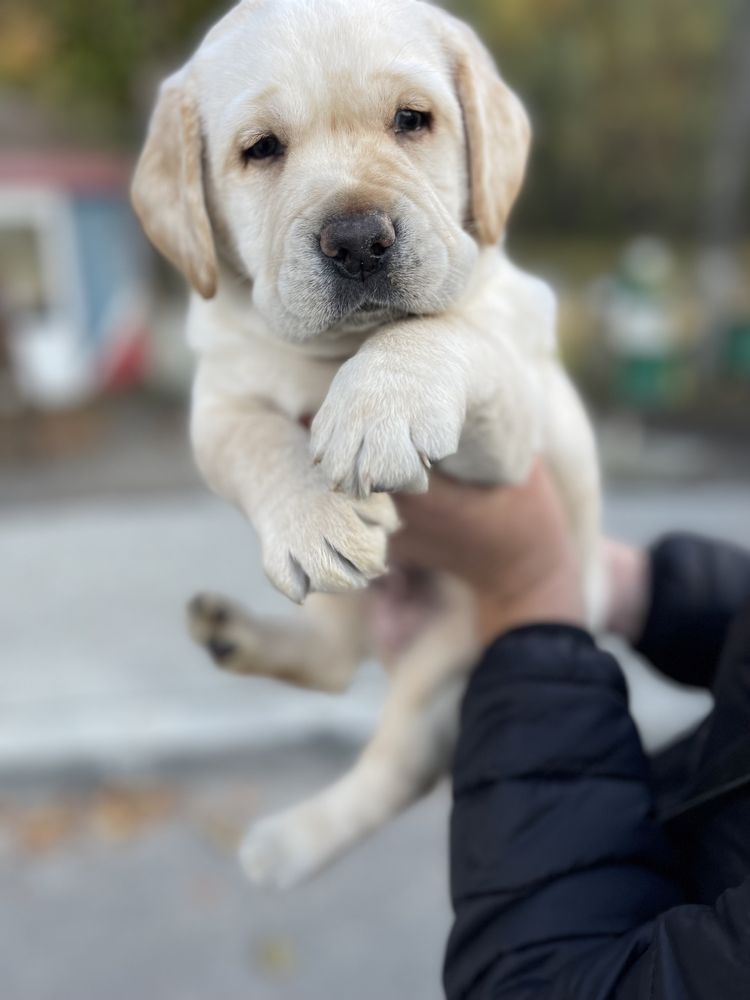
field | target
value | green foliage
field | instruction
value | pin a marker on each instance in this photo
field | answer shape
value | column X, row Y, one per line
column 623, row 93
column 101, row 55
column 624, row 97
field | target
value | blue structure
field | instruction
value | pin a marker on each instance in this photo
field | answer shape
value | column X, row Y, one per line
column 73, row 276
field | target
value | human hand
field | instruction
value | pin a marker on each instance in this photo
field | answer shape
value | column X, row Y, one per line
column 629, row 589
column 511, row 545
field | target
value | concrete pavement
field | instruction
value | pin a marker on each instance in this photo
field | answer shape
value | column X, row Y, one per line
column 131, row 890
column 96, row 662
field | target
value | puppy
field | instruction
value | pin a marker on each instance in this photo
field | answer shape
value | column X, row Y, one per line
column 334, row 179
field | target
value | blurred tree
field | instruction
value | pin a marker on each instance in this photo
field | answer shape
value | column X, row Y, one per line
column 729, row 163
column 624, row 93
column 97, row 60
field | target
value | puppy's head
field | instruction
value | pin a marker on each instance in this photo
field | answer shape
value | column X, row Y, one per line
column 347, row 157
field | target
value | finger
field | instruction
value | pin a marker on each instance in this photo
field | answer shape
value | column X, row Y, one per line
column 410, row 549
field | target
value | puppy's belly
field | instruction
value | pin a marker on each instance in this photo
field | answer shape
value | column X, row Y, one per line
column 399, row 607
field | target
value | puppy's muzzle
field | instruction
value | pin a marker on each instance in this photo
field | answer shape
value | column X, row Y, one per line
column 358, row 245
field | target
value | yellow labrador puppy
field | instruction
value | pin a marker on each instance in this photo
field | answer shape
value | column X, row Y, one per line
column 334, row 178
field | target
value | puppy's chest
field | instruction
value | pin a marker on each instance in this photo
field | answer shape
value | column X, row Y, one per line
column 295, row 385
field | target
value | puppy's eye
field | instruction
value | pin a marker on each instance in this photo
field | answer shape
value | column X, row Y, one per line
column 408, row 120
column 264, row 149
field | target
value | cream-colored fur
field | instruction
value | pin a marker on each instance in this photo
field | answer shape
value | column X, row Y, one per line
column 456, row 364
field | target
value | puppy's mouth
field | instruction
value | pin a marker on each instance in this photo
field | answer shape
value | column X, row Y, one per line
column 356, row 301
column 366, row 316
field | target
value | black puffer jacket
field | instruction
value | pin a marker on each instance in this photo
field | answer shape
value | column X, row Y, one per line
column 579, row 870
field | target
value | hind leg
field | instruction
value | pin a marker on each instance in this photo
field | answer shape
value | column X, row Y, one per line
column 409, row 752
column 320, row 648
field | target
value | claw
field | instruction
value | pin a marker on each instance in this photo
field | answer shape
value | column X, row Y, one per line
column 359, row 575
column 302, row 580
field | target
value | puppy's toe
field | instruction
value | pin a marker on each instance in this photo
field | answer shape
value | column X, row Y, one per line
column 378, row 510
column 207, row 611
column 287, row 575
column 212, row 622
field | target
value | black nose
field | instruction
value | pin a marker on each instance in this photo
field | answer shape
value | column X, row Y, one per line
column 358, row 245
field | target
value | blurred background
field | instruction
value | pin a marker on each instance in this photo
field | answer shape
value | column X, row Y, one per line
column 128, row 768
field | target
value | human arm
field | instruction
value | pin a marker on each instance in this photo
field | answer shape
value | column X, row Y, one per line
column 561, row 878
column 675, row 601
column 696, row 588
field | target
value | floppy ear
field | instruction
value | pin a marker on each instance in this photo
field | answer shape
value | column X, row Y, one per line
column 498, row 133
column 167, row 190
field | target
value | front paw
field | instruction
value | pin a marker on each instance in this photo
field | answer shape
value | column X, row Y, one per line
column 326, row 542
column 382, row 432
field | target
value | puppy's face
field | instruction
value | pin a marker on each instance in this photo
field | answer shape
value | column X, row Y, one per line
column 347, row 156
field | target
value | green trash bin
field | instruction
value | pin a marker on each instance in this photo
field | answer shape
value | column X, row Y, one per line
column 736, row 354
column 652, row 382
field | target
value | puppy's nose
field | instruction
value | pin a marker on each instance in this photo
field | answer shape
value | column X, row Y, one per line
column 358, row 245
